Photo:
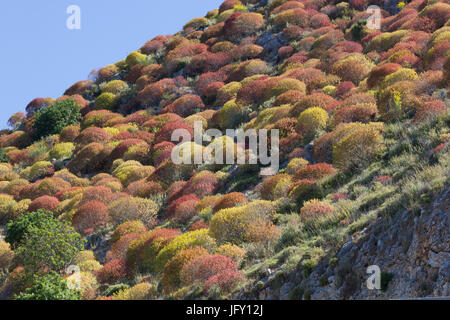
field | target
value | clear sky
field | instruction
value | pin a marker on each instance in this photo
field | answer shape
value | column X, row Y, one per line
column 41, row 57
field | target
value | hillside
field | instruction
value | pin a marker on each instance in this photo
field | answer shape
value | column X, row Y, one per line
column 91, row 191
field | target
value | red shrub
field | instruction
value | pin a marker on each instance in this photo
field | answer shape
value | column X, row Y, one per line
column 45, row 202
column 45, row 187
column 292, row 32
column 112, row 271
column 247, row 51
column 79, row 88
column 175, row 190
column 227, row 5
column 252, row 92
column 160, row 120
column 240, row 25
column 204, row 267
column 185, row 211
column 176, row 59
column 358, row 4
column 92, row 134
column 344, row 88
column 307, row 75
column 288, row 97
column 207, row 62
column 92, row 215
column 320, row 20
column 358, row 113
column 380, row 72
column 153, row 46
column 320, row 100
column 140, row 134
column 206, row 79
column 359, row 98
column 145, row 189
column 439, row 13
column 165, row 134
column 185, row 105
column 153, row 93
column 225, row 280
column 200, row 224
column 99, row 193
column 210, row 92
column 286, row 6
column 430, row 109
column 247, row 69
column 201, row 184
column 119, row 248
column 347, row 46
column 123, row 147
column 171, row 210
column 335, row 197
column 37, row 104
column 285, row 52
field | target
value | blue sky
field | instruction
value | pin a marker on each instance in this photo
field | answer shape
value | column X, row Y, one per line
column 41, row 57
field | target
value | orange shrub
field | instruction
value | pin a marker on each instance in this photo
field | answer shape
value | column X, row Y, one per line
column 315, row 209
column 171, row 276
column 230, row 200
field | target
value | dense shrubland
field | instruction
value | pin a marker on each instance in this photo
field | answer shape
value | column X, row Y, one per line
column 364, row 132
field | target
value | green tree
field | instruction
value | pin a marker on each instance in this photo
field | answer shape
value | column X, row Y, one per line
column 49, row 287
column 16, row 230
column 51, row 120
column 53, row 244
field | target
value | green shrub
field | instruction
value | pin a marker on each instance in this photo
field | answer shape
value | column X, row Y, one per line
column 49, row 287
column 46, row 242
column 53, row 119
column 16, row 230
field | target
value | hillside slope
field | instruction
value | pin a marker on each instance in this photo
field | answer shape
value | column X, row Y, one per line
column 89, row 181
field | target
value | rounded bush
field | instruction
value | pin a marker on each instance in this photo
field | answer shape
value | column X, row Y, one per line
column 312, row 120
column 45, row 202
column 106, row 101
column 92, row 215
column 315, row 209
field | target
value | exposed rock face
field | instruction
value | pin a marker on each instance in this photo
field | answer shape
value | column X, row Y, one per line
column 412, row 250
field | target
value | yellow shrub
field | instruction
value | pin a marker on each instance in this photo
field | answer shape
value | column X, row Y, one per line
column 197, row 238
column 233, row 224
column 6, row 255
column 115, row 86
column 295, row 164
column 62, row 150
column 312, row 120
column 232, row 251
column 358, row 147
column 135, row 58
